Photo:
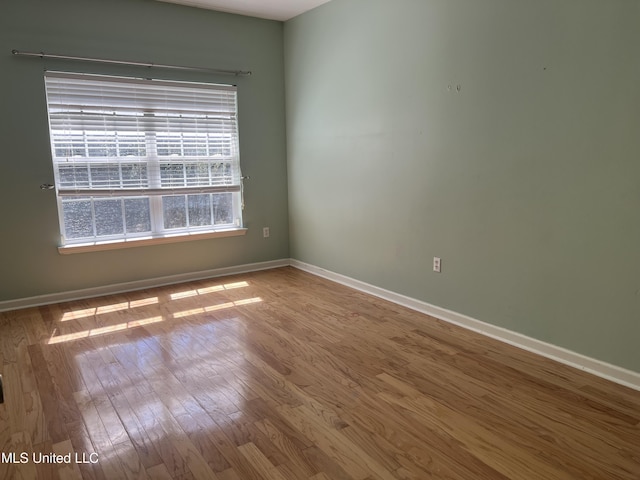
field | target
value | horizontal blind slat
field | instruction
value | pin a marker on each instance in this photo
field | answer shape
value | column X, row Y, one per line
column 136, row 192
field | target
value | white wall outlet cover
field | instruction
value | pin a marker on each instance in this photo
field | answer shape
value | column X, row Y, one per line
column 437, row 264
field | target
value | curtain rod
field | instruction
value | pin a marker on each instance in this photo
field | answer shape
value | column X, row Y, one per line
column 237, row 73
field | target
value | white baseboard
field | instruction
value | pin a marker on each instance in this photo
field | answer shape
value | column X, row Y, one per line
column 138, row 285
column 602, row 369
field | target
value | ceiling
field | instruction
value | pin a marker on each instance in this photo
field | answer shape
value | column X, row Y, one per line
column 272, row 9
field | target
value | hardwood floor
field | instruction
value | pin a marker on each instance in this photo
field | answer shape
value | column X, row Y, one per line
column 283, row 375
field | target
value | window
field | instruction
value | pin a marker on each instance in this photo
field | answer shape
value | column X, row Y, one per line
column 143, row 158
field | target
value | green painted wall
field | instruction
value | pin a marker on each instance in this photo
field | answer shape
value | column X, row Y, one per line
column 139, row 30
column 526, row 182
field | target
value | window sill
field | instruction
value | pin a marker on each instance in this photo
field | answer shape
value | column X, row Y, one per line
column 144, row 241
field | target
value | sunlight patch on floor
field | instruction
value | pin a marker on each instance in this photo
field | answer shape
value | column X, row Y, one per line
column 220, row 306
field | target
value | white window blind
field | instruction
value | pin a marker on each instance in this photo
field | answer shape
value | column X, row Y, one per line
column 142, row 157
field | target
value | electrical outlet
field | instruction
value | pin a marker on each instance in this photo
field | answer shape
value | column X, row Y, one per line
column 436, row 264
column 265, row 232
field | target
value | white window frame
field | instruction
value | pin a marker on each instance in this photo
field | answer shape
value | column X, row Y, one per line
column 185, row 145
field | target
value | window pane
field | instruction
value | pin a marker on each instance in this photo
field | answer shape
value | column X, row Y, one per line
column 131, row 144
column 195, row 145
column 174, row 211
column 169, row 144
column 172, row 175
column 220, row 146
column 105, row 176
column 78, row 218
column 102, row 144
column 137, row 215
column 134, row 175
column 68, row 144
column 222, row 208
column 199, row 210
column 221, row 174
column 73, row 176
column 197, row 173
column 108, row 217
